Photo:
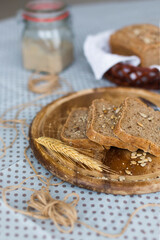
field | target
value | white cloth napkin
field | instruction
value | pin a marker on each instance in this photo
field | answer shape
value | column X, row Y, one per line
column 97, row 52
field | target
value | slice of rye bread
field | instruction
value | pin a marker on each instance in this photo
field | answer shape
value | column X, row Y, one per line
column 101, row 120
column 139, row 125
column 74, row 131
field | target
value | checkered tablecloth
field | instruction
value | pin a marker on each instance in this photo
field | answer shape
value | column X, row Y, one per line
column 107, row 212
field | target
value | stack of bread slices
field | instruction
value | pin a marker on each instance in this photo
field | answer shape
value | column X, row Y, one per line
column 132, row 126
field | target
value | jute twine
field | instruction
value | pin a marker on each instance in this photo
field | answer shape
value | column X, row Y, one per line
column 46, row 84
column 41, row 204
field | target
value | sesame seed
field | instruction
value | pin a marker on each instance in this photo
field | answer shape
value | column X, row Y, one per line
column 133, row 162
column 117, row 110
column 105, row 111
column 149, row 159
column 133, row 157
column 143, row 115
column 121, row 178
column 150, row 118
column 143, row 164
column 128, row 172
column 134, row 153
column 140, row 124
column 143, row 161
column 139, row 154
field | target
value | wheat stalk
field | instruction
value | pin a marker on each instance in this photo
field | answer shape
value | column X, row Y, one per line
column 71, row 154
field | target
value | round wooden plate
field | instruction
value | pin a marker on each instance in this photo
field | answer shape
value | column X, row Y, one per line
column 51, row 118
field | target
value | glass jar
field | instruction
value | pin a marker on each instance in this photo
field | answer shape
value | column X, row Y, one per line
column 47, row 43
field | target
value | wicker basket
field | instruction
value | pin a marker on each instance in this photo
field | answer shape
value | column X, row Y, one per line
column 128, row 75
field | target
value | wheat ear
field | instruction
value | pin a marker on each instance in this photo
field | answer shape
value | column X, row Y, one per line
column 69, row 152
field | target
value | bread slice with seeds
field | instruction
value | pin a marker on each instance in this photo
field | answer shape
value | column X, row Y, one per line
column 74, row 131
column 139, row 125
column 100, row 124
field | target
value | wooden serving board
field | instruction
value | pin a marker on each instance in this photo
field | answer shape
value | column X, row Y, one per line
column 48, row 123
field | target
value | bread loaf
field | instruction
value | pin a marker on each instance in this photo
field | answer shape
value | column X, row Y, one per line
column 142, row 40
